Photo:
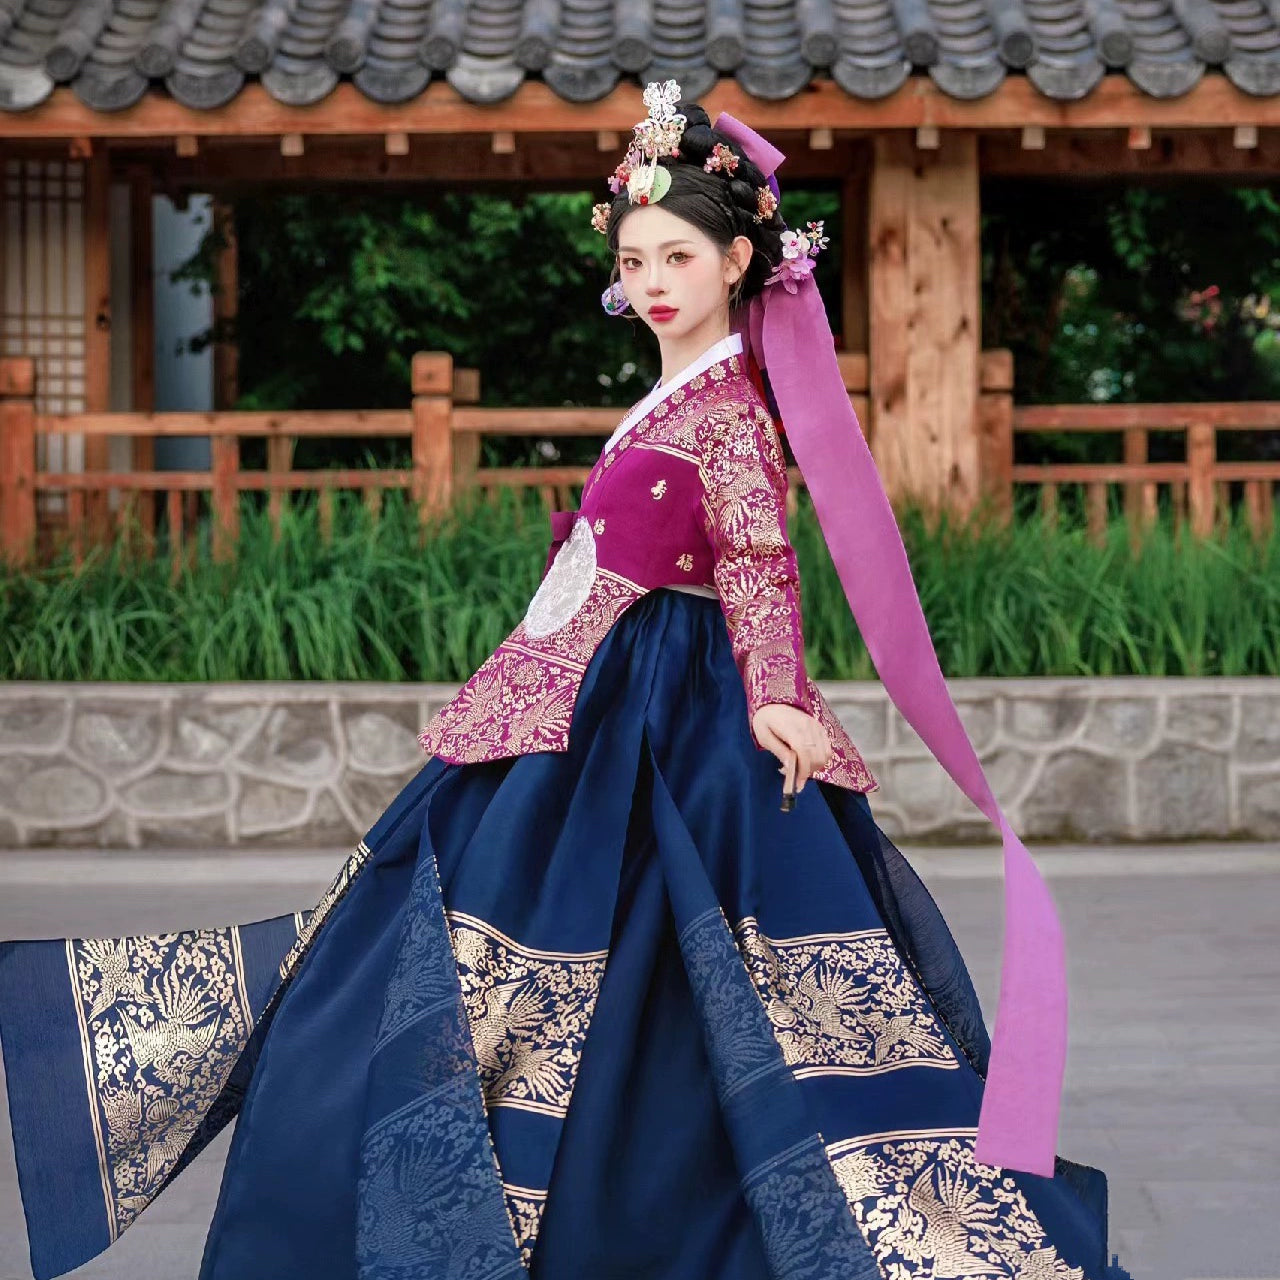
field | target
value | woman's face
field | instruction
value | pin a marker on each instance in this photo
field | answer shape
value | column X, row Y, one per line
column 674, row 276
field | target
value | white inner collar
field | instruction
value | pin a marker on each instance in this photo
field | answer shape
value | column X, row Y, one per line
column 721, row 350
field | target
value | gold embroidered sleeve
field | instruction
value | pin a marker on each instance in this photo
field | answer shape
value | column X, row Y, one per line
column 745, row 487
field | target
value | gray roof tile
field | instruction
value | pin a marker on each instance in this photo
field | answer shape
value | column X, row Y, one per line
column 202, row 52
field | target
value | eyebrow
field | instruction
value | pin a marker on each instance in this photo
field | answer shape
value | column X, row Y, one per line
column 666, row 244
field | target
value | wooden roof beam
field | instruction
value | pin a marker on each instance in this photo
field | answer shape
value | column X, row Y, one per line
column 536, row 109
column 1205, row 152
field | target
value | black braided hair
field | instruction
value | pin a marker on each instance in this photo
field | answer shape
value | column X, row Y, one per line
column 720, row 204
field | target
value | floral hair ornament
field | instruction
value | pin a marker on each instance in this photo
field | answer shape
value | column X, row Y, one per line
column 600, row 217
column 766, row 204
column 799, row 249
column 657, row 135
column 721, row 158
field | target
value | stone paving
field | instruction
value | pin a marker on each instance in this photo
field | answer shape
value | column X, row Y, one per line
column 1172, row 1081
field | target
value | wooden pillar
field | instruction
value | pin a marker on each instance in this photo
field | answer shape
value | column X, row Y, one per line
column 225, row 449
column 853, row 251
column 17, row 460
column 925, row 333
column 432, row 445
column 226, row 353
column 141, row 507
column 97, row 338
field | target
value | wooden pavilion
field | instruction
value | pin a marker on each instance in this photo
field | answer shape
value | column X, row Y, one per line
column 908, row 104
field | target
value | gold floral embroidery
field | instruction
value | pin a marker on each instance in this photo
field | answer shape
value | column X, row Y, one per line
column 755, row 570
column 847, row 767
column 659, row 489
column 529, row 1012
column 685, row 562
column 923, row 1201
column 308, row 923
column 522, row 696
column 842, row 1003
column 525, row 1206
column 599, row 525
column 163, row 1019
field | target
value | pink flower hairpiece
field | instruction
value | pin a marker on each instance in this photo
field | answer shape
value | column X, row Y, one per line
column 721, row 157
column 799, row 248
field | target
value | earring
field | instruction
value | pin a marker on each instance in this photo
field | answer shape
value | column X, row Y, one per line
column 614, row 299
column 735, row 292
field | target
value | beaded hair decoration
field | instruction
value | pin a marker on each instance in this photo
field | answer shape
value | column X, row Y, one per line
column 659, row 134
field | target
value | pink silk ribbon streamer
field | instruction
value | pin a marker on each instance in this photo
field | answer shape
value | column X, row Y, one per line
column 792, row 341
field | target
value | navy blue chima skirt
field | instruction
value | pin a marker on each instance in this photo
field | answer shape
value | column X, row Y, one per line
column 606, row 1013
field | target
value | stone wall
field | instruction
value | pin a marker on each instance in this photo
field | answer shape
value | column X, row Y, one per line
column 301, row 764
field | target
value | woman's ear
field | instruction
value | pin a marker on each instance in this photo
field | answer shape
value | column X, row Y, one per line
column 740, row 252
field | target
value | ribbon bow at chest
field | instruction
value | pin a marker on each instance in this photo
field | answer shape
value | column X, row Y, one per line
column 561, row 527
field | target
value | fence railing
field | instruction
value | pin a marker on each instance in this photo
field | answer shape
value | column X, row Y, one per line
column 444, row 425
column 1198, row 487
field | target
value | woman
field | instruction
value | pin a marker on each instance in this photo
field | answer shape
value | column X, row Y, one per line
column 588, row 1000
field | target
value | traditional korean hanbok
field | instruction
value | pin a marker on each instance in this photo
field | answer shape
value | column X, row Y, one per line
column 585, row 1002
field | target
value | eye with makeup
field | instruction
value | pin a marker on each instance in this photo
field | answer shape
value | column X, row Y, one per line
column 633, row 264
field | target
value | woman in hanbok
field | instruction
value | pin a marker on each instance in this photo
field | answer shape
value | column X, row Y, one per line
column 627, row 981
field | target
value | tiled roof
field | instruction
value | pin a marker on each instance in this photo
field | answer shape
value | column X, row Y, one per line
column 202, row 52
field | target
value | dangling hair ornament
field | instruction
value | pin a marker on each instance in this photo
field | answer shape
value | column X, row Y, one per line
column 600, row 217
column 799, row 248
column 614, row 299
column 657, row 135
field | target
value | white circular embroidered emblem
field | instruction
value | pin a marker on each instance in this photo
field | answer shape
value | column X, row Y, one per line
column 568, row 583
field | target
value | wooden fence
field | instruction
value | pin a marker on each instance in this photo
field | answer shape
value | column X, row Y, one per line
column 1198, row 487
column 444, row 425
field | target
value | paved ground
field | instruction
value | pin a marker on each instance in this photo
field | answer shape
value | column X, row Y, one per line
column 1173, row 1086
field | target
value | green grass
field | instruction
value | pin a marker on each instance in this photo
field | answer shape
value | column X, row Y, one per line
column 372, row 605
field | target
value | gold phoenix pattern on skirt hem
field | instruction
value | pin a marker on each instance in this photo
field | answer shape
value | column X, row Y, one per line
column 162, row 1020
column 842, row 1003
column 529, row 1012
column 930, row 1210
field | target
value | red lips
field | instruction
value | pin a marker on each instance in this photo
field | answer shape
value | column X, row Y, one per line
column 662, row 313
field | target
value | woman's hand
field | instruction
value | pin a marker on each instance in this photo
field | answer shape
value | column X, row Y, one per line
column 795, row 737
